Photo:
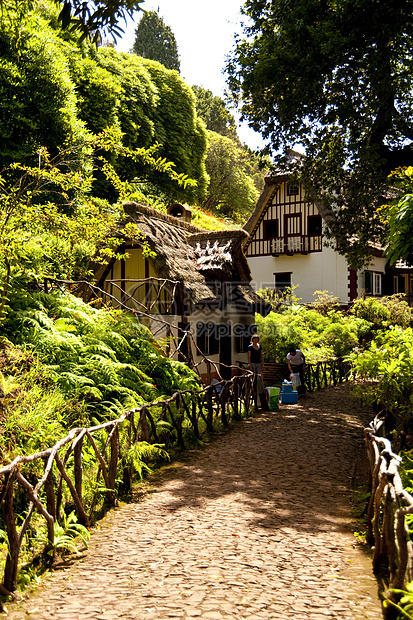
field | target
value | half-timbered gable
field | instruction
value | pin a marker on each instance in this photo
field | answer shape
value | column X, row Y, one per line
column 289, row 224
column 285, row 249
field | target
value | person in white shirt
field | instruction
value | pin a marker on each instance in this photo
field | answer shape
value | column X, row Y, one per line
column 296, row 363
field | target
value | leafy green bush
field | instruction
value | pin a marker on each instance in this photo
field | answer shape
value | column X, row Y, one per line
column 388, row 364
column 384, row 311
column 100, row 356
column 37, row 94
column 320, row 336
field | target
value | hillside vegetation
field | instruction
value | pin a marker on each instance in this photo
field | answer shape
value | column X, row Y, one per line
column 66, row 364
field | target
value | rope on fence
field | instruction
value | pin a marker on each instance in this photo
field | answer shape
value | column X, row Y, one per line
column 64, row 462
column 386, row 514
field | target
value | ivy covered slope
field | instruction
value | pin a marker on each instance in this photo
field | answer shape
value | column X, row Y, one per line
column 65, row 363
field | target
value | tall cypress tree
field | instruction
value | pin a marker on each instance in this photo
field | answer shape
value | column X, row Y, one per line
column 156, row 41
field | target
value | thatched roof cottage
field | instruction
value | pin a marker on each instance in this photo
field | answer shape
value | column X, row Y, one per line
column 182, row 278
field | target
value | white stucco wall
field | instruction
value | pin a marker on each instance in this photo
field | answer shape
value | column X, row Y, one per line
column 319, row 271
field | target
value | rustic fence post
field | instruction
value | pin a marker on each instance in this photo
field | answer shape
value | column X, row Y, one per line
column 373, row 454
column 210, row 408
column 143, row 423
column 81, row 513
column 223, row 399
column 12, row 560
column 78, row 468
column 236, row 391
column 317, row 375
column 333, row 372
column 402, row 534
column 378, row 538
column 113, row 464
column 194, row 419
column 50, row 494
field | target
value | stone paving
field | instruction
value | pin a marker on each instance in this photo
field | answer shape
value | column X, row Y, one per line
column 256, row 525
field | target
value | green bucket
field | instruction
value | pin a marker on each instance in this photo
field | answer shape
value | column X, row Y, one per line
column 273, row 397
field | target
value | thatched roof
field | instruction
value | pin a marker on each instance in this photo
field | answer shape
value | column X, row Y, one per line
column 193, row 256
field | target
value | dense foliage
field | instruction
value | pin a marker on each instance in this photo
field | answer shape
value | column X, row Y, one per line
column 231, row 190
column 92, row 364
column 320, row 335
column 91, row 19
column 37, row 93
column 56, row 92
column 398, row 217
column 335, row 78
column 324, row 331
column 388, row 362
column 214, row 112
column 155, row 40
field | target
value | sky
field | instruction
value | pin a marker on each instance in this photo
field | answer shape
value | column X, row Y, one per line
column 204, row 32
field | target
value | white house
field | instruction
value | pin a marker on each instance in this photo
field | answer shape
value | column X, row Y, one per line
column 285, row 248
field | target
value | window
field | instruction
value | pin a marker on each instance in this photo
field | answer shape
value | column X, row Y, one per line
column 282, row 281
column 292, row 189
column 373, row 282
column 377, row 284
column 314, row 225
column 207, row 338
column 271, row 229
column 399, row 284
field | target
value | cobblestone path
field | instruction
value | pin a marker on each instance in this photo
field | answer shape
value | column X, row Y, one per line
column 256, row 525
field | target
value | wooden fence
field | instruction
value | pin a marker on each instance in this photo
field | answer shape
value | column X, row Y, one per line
column 317, row 376
column 386, row 515
column 40, row 482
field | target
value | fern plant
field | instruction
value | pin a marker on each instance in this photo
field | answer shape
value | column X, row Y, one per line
column 141, row 454
column 101, row 356
column 66, row 535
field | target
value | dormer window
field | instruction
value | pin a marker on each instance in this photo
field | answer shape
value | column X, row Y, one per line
column 292, row 189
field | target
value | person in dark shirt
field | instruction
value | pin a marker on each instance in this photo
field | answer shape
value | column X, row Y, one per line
column 255, row 355
column 256, row 364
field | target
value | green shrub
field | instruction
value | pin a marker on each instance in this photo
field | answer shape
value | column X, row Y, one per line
column 38, row 101
column 102, row 357
column 388, row 364
column 320, row 335
column 384, row 311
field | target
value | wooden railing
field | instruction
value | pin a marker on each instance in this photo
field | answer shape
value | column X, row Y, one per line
column 317, row 376
column 326, row 374
column 386, row 515
column 39, row 482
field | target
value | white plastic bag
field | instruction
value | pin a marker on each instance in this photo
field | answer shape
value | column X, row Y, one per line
column 295, row 379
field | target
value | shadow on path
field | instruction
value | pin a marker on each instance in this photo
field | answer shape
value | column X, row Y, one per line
column 255, row 525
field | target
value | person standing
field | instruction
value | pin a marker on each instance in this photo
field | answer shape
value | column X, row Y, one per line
column 255, row 355
column 296, row 364
column 256, row 364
